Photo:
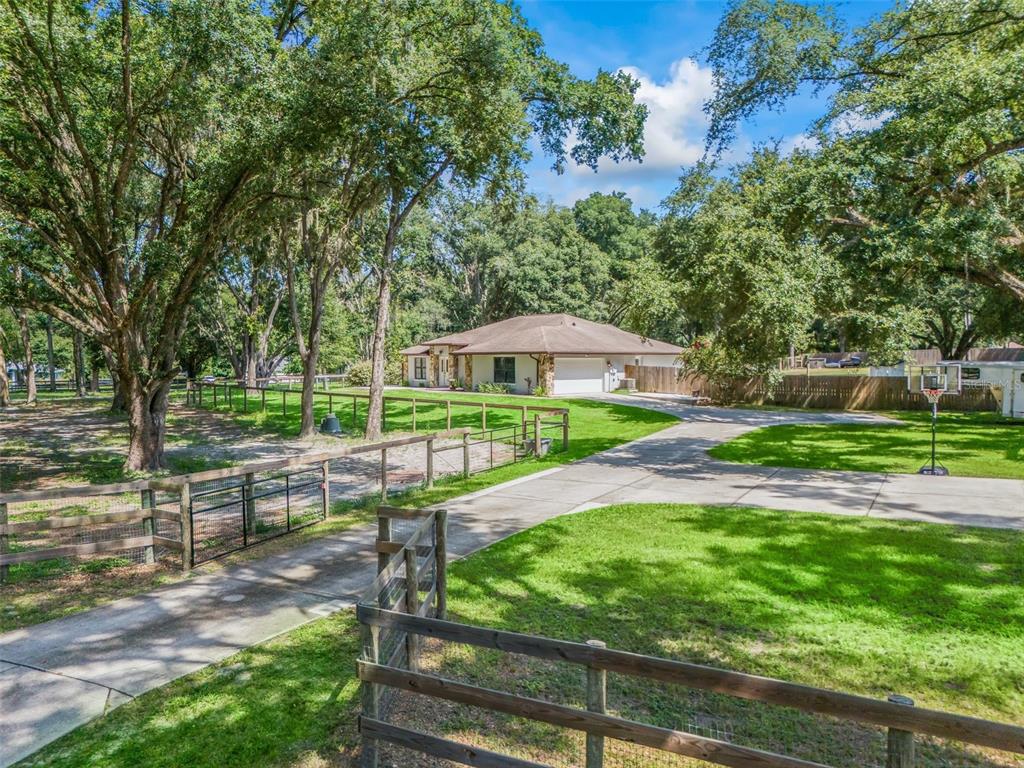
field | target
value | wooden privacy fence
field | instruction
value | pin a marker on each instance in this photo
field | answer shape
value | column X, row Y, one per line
column 239, row 396
column 840, row 392
column 394, row 615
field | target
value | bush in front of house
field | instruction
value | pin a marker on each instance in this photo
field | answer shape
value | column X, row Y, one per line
column 491, row 388
column 359, row 373
column 540, row 392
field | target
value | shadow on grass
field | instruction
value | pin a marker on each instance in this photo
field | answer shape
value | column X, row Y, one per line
column 289, row 701
column 969, row 444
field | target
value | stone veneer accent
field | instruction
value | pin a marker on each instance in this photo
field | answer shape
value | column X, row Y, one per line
column 405, row 370
column 467, row 379
column 546, row 372
column 433, row 367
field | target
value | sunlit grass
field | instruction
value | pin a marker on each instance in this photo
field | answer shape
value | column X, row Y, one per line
column 968, row 444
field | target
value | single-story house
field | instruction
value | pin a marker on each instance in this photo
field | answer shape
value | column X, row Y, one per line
column 561, row 353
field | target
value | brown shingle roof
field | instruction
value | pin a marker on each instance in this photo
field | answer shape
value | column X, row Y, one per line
column 554, row 334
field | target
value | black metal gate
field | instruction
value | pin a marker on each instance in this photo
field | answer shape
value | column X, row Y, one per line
column 241, row 511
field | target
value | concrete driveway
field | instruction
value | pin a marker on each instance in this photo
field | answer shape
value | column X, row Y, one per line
column 61, row 674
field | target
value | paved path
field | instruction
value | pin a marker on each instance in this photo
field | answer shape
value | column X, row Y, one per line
column 58, row 675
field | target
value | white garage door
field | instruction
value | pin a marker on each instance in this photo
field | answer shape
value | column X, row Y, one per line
column 578, row 375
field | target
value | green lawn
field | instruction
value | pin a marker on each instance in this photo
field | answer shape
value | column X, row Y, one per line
column 874, row 607
column 969, row 444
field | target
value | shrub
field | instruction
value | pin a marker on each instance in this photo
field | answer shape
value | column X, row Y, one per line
column 491, row 388
column 358, row 374
column 540, row 392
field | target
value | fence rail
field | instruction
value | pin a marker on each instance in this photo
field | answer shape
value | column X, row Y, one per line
column 383, row 673
column 839, row 392
column 215, row 394
column 212, row 513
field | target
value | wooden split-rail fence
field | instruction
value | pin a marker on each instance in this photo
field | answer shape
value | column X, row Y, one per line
column 208, row 514
column 407, row 603
column 233, row 395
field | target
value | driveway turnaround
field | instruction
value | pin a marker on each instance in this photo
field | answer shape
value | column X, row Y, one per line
column 61, row 674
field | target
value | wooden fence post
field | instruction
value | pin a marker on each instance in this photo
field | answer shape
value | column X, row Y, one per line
column 465, row 454
column 597, row 701
column 383, row 474
column 250, row 503
column 565, row 431
column 383, row 534
column 148, row 529
column 448, row 414
column 383, row 414
column 245, row 398
column 441, row 562
column 284, row 403
column 185, row 510
column 430, row 463
column 483, row 417
column 900, row 742
column 525, row 416
column 227, row 394
column 412, row 606
column 370, row 692
column 326, row 467
column 200, row 394
column 536, row 435
column 263, row 398
column 4, row 569
column 414, row 414
column 353, row 413
column 215, row 397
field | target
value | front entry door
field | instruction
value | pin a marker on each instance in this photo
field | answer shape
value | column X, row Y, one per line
column 442, row 369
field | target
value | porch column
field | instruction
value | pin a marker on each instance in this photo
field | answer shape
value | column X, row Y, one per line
column 468, row 377
column 405, row 371
column 433, row 363
column 546, row 372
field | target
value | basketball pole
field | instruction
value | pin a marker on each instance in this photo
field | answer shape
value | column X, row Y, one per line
column 935, row 419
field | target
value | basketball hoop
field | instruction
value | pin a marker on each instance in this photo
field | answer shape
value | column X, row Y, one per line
column 932, row 394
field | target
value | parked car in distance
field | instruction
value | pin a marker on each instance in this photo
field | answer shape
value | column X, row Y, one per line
column 853, row 361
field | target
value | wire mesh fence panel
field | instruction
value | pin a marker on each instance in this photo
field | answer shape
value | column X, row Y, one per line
column 229, row 514
column 93, row 524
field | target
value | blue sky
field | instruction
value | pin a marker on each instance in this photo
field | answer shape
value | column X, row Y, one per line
column 661, row 44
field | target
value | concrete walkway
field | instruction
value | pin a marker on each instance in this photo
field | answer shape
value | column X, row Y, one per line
column 58, row 675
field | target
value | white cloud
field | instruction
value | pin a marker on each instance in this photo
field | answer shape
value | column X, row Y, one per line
column 801, row 141
column 853, row 121
column 676, row 125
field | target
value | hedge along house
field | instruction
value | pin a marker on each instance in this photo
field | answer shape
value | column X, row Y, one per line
column 561, row 353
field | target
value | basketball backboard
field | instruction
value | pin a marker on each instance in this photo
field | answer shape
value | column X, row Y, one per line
column 944, row 376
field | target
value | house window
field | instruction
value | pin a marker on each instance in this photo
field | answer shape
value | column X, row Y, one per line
column 419, row 368
column 504, row 370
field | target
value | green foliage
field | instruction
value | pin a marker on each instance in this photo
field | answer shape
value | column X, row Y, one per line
column 747, row 275
column 919, row 172
column 358, row 374
column 493, row 388
column 540, row 392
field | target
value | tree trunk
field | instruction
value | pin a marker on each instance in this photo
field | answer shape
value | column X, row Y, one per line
column 250, row 362
column 5, row 384
column 30, row 366
column 94, row 379
column 374, row 417
column 308, row 426
column 79, row 364
column 147, row 423
column 119, row 402
column 49, row 353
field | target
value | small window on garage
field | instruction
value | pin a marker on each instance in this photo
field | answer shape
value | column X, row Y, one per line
column 419, row 368
column 504, row 370
column 970, row 374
